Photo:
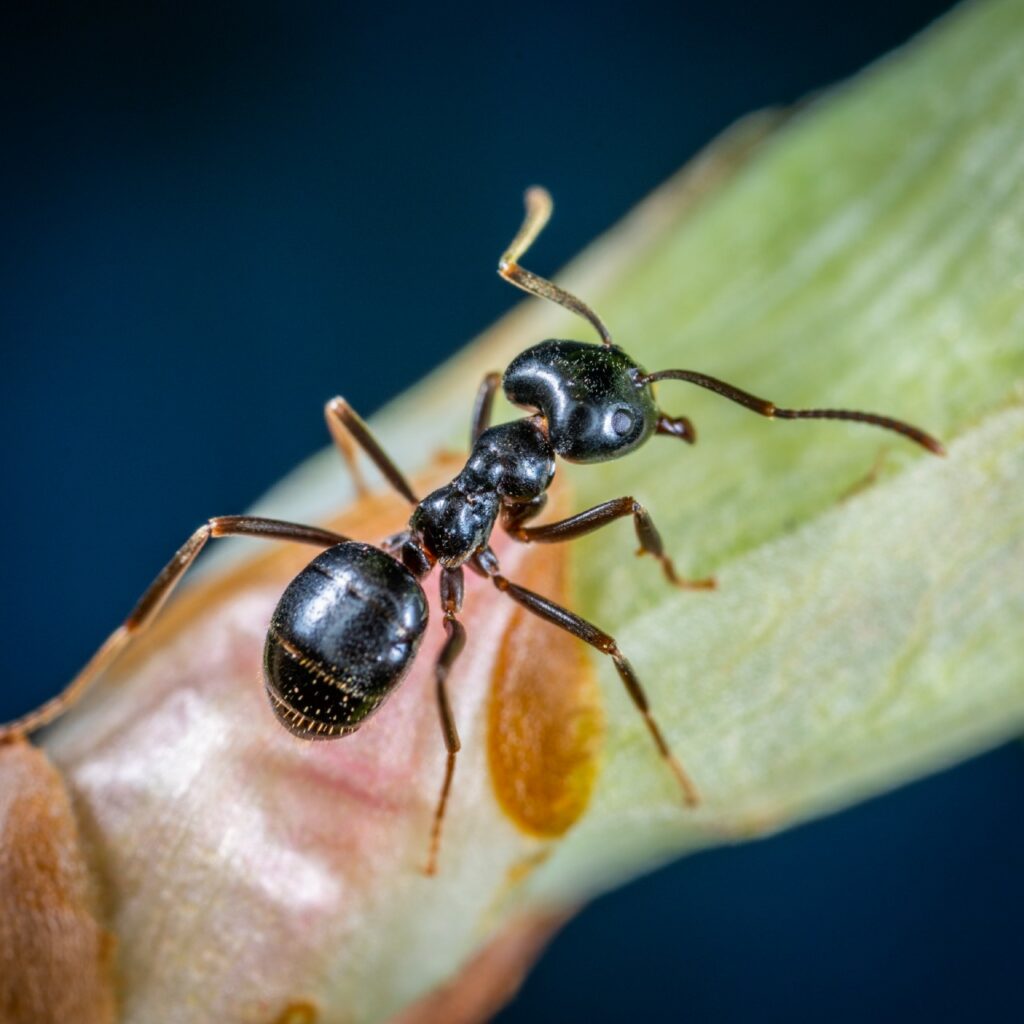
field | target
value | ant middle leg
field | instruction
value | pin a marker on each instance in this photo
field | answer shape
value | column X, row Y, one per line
column 153, row 600
column 515, row 513
column 601, row 515
column 346, row 426
column 452, row 585
column 605, row 643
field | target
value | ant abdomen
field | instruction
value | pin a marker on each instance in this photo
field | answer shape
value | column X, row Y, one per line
column 592, row 396
column 342, row 637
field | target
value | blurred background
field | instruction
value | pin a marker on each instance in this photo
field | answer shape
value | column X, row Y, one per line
column 215, row 217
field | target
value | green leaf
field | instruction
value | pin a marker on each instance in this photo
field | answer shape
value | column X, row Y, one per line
column 867, row 625
column 866, row 253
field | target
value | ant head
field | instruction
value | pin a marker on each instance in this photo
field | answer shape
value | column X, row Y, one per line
column 594, row 398
column 597, row 402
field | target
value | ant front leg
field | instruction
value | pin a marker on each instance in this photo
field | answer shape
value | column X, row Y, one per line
column 601, row 515
column 483, row 406
column 605, row 643
column 346, row 426
column 452, row 585
column 153, row 600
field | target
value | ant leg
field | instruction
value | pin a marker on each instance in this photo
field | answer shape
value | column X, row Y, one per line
column 483, row 406
column 601, row 515
column 345, row 445
column 346, row 425
column 538, row 211
column 153, row 600
column 603, row 642
column 515, row 513
column 451, row 600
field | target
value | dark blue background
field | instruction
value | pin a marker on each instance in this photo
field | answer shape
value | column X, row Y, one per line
column 212, row 220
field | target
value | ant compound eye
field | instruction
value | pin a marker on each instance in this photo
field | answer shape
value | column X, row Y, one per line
column 622, row 422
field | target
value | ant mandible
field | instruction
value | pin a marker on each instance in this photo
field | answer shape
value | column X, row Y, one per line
column 348, row 627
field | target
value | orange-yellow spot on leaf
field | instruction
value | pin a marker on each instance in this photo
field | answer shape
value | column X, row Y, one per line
column 301, row 1012
column 544, row 725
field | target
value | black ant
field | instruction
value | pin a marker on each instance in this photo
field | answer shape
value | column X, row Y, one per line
column 348, row 627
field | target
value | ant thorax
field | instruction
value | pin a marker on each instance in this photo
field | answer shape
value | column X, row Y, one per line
column 510, row 463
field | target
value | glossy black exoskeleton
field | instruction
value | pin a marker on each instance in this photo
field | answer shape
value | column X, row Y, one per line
column 512, row 463
column 593, row 398
column 343, row 635
column 348, row 627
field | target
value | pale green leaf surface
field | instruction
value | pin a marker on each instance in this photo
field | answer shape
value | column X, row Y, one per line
column 871, row 255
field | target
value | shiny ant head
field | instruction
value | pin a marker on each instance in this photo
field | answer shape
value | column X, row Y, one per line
column 597, row 402
column 593, row 397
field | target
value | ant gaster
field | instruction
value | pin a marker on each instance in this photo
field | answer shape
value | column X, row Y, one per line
column 348, row 627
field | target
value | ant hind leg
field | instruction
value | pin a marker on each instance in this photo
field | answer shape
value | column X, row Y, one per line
column 605, row 643
column 153, row 600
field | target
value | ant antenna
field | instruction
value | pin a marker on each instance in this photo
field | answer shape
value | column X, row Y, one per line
column 765, row 408
column 538, row 211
